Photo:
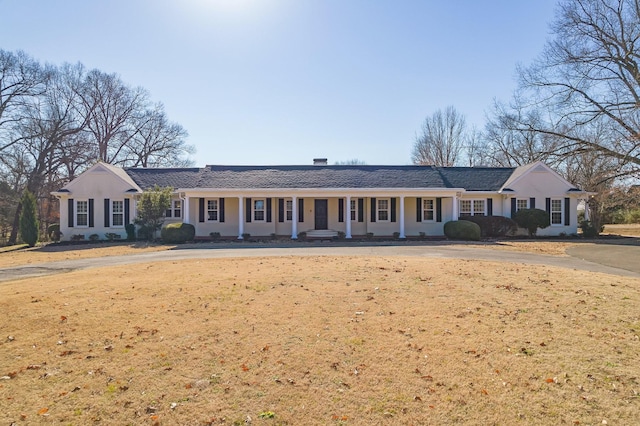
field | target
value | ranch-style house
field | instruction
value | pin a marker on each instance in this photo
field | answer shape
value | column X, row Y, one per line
column 319, row 199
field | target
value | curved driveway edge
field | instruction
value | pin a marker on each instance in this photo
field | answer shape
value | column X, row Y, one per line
column 621, row 256
column 425, row 251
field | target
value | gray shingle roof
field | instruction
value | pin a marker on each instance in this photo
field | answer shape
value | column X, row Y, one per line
column 175, row 178
column 273, row 177
column 476, row 178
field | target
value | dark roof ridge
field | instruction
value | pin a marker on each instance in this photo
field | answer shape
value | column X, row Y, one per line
column 182, row 169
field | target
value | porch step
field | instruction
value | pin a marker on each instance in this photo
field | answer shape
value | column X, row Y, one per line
column 322, row 233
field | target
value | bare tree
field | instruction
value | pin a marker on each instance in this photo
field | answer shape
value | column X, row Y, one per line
column 112, row 110
column 55, row 121
column 47, row 123
column 589, row 75
column 442, row 139
column 21, row 78
column 476, row 148
column 352, row 162
column 158, row 142
column 509, row 144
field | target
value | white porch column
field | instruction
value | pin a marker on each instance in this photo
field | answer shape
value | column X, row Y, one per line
column 348, row 212
column 185, row 210
column 240, row 217
column 454, row 210
column 402, row 217
column 294, row 218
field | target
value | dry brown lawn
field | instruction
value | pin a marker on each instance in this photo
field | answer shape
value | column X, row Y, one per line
column 55, row 252
column 627, row 230
column 327, row 340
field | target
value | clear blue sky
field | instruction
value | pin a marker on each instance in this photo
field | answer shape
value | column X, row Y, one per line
column 284, row 81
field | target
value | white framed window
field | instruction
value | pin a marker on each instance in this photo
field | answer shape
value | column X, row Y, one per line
column 522, row 203
column 175, row 210
column 117, row 213
column 82, row 213
column 259, row 210
column 288, row 210
column 472, row 208
column 383, row 209
column 556, row 212
column 353, row 210
column 212, row 210
column 428, row 212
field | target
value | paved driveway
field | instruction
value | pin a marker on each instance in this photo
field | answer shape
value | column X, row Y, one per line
column 621, row 254
column 429, row 250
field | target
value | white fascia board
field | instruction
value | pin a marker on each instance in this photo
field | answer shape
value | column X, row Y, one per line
column 321, row 192
column 471, row 194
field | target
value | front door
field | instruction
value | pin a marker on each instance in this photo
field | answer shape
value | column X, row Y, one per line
column 321, row 218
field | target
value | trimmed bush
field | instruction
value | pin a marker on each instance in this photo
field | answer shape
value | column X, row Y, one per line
column 494, row 226
column 462, row 230
column 53, row 232
column 178, row 233
column 589, row 230
column 532, row 219
column 131, row 231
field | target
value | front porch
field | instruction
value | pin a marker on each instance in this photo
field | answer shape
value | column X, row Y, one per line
column 319, row 215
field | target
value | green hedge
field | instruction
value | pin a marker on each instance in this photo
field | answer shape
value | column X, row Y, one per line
column 462, row 230
column 178, row 233
column 494, row 226
column 532, row 219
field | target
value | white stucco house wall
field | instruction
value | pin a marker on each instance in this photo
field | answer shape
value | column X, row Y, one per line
column 286, row 200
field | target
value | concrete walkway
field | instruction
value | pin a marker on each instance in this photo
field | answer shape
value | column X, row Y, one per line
column 583, row 261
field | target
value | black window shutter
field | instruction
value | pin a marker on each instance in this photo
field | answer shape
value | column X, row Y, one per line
column 126, row 211
column 418, row 209
column 548, row 205
column 489, row 206
column 70, row 219
column 280, row 209
column 532, row 203
column 393, row 209
column 221, row 210
column 301, row 210
column 360, row 209
column 567, row 216
column 106, row 212
column 340, row 209
column 91, row 222
column 438, row 209
column 373, row 210
column 269, row 210
column 200, row 209
column 514, row 206
column 247, row 210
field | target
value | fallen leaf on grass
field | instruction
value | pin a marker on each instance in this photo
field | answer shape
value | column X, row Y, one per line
column 43, row 411
column 244, row 367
